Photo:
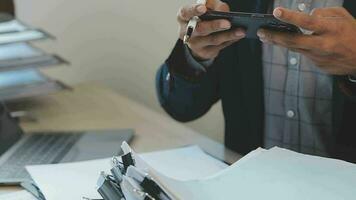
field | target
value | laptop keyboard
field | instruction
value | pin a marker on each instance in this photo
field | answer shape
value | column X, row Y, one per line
column 38, row 149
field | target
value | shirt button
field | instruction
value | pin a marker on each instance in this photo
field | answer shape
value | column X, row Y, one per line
column 290, row 114
column 302, row 7
column 293, row 61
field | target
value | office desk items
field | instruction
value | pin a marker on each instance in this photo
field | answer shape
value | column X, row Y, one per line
column 184, row 163
column 9, row 24
column 116, row 169
column 13, row 30
column 76, row 180
column 276, row 174
column 22, row 55
column 132, row 190
column 86, row 107
column 20, row 84
column 18, row 51
column 18, row 149
column 148, row 184
column 23, row 36
column 263, row 174
column 79, row 179
column 32, row 188
column 127, row 158
column 16, row 55
column 108, row 188
column 137, row 182
column 19, row 195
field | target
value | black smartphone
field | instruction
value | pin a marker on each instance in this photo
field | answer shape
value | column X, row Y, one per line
column 251, row 22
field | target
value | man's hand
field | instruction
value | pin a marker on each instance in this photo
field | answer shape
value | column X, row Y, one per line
column 332, row 44
column 210, row 37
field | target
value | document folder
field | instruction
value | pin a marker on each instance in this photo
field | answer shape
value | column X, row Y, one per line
column 33, row 62
column 22, row 55
column 23, row 36
column 13, row 30
column 12, row 25
column 20, row 84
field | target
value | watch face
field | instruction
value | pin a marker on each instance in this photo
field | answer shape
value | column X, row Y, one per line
column 352, row 78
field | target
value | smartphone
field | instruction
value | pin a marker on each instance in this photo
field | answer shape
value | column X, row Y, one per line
column 251, row 22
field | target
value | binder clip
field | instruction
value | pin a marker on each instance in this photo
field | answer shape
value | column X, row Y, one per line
column 128, row 181
column 33, row 189
column 127, row 158
column 108, row 188
column 117, row 169
column 148, row 184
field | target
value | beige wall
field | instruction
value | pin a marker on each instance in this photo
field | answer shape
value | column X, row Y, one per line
column 120, row 43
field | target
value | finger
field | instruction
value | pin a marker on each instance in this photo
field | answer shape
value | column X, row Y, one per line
column 290, row 40
column 217, row 5
column 224, row 45
column 302, row 20
column 325, row 12
column 331, row 12
column 301, row 51
column 211, row 52
column 217, row 38
column 205, row 28
column 189, row 11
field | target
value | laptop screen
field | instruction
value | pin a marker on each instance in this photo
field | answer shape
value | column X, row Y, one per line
column 10, row 132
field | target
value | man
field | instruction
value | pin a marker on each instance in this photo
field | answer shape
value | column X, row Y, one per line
column 7, row 6
column 289, row 90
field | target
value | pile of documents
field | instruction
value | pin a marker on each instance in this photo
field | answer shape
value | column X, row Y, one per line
column 19, row 195
column 189, row 173
column 78, row 180
column 19, row 61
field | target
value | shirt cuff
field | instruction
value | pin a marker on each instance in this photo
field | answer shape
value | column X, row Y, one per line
column 198, row 65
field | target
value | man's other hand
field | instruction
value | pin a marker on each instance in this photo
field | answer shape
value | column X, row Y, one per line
column 330, row 44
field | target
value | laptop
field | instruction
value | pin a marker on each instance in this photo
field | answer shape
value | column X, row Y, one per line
column 18, row 150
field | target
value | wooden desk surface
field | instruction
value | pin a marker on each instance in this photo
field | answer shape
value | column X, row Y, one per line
column 93, row 107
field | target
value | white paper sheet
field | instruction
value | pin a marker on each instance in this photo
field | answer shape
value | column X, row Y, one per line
column 184, row 164
column 70, row 180
column 18, row 50
column 76, row 180
column 20, row 195
column 276, row 174
column 12, row 26
column 23, row 36
column 20, row 77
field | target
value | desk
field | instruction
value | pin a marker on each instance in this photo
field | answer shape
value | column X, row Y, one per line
column 91, row 106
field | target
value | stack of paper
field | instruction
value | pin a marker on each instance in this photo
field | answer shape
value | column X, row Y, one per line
column 26, row 83
column 77, row 180
column 12, row 30
column 276, row 174
column 23, row 56
column 20, row 195
column 189, row 173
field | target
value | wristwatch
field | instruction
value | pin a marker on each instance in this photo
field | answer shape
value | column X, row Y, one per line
column 352, row 78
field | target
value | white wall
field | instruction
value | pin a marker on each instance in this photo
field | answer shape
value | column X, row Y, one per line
column 120, row 43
